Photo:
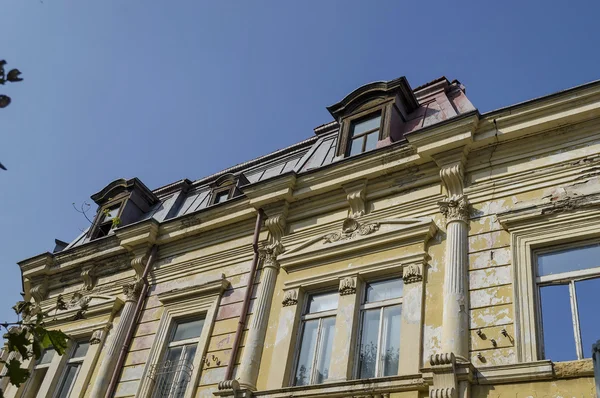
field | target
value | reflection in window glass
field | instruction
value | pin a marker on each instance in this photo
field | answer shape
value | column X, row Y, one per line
column 326, row 345
column 589, row 321
column 365, row 125
column 385, row 290
column 574, row 259
column 323, row 302
column 69, row 379
column 188, row 330
column 559, row 341
column 307, row 353
column 368, row 344
column 391, row 340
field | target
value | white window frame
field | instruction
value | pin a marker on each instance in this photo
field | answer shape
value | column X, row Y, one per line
column 369, row 306
column 70, row 361
column 532, row 230
column 36, row 368
column 564, row 278
column 303, row 319
column 200, row 301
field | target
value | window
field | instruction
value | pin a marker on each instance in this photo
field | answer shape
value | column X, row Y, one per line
column 379, row 341
column 568, row 281
column 221, row 197
column 173, row 374
column 72, row 369
column 318, row 326
column 364, row 135
column 39, row 373
column 106, row 221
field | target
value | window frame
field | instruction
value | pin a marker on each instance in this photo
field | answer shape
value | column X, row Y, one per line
column 79, row 361
column 568, row 278
column 98, row 221
column 304, row 317
column 184, row 302
column 530, row 230
column 363, row 308
column 364, row 134
column 217, row 191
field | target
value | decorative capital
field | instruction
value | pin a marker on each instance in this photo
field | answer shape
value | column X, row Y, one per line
column 347, row 285
column 290, row 298
column 88, row 274
column 268, row 256
column 39, row 291
column 455, row 209
column 356, row 195
column 132, row 291
column 412, row 273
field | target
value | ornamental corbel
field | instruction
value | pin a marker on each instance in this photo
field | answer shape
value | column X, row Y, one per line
column 88, row 275
column 356, row 196
column 347, row 285
column 290, row 298
column 412, row 273
column 39, row 291
column 139, row 260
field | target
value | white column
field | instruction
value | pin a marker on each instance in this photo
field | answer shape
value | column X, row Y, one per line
column 116, row 340
column 455, row 319
column 248, row 371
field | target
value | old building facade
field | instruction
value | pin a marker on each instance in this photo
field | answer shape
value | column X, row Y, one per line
column 413, row 247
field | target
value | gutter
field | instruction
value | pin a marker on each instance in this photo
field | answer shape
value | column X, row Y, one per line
column 132, row 325
column 240, row 327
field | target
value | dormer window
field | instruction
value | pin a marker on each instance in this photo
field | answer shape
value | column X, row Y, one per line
column 226, row 187
column 364, row 134
column 373, row 116
column 120, row 203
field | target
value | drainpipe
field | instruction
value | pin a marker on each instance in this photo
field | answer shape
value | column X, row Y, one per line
column 116, row 373
column 238, row 333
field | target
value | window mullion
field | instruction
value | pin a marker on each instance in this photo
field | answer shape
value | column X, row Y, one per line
column 316, row 353
column 575, row 313
column 378, row 361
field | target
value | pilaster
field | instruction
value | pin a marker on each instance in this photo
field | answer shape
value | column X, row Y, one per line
column 253, row 347
column 346, row 326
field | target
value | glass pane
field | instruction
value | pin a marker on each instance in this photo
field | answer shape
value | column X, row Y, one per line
column 47, row 356
column 111, row 213
column 569, row 260
column 384, row 290
column 391, row 340
column 589, row 321
column 325, row 347
column 167, row 372
column 355, row 146
column 372, row 141
column 368, row 344
column 188, row 330
column 365, row 125
column 559, row 342
column 221, row 197
column 81, row 350
column 323, row 302
column 307, row 353
column 68, row 380
column 173, row 355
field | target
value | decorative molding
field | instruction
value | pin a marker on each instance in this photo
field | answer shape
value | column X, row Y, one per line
column 290, row 298
column 456, row 209
column 356, row 196
column 88, row 274
column 347, row 285
column 452, row 177
column 39, row 291
column 211, row 288
column 276, row 223
column 442, row 359
column 412, row 273
column 449, row 392
column 268, row 256
column 138, row 263
column 350, row 230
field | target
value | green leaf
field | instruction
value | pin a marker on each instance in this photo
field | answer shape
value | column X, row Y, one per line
column 18, row 342
column 58, row 340
column 16, row 374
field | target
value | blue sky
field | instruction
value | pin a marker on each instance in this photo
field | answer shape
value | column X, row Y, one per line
column 169, row 90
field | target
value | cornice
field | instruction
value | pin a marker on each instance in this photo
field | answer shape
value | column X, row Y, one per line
column 143, row 233
column 271, row 190
column 456, row 132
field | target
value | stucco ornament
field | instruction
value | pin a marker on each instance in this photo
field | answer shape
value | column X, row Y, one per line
column 39, row 291
column 455, row 209
column 88, row 275
column 97, row 336
column 412, row 273
column 290, row 298
column 132, row 291
column 347, row 285
column 350, row 230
